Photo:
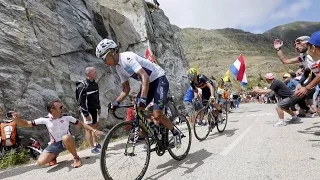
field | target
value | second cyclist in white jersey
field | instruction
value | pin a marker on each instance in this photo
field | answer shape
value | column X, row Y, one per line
column 155, row 84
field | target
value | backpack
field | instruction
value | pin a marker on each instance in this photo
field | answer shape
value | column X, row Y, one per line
column 8, row 133
column 78, row 92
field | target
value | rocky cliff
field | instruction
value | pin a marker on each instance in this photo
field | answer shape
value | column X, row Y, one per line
column 45, row 46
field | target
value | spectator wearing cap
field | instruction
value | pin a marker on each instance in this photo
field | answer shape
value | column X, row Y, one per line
column 301, row 46
column 286, row 99
column 314, row 52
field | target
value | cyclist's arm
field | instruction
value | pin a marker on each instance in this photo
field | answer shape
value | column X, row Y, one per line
column 125, row 91
column 145, row 82
column 209, row 85
column 286, row 60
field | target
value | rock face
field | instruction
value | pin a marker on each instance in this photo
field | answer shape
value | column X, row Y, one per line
column 46, row 45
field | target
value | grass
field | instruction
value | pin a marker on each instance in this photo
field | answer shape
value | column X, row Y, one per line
column 13, row 159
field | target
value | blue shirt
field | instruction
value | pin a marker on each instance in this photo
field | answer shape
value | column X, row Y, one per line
column 189, row 95
column 292, row 84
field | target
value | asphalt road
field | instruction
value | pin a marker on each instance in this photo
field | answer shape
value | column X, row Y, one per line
column 249, row 148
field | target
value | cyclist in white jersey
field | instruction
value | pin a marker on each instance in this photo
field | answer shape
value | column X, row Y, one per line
column 58, row 128
column 155, row 84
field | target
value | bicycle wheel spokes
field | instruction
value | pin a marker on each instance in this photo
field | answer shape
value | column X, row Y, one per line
column 223, row 119
column 201, row 127
column 183, row 126
column 121, row 158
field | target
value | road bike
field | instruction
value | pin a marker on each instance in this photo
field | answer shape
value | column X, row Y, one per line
column 208, row 118
column 131, row 141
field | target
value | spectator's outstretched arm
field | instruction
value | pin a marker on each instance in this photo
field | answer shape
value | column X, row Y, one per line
column 20, row 122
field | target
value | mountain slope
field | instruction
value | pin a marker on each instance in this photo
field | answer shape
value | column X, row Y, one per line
column 293, row 30
column 213, row 51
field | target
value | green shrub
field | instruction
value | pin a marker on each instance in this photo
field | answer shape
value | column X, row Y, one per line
column 12, row 159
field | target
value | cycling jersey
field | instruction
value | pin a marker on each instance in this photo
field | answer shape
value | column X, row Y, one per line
column 130, row 63
column 202, row 84
column 56, row 127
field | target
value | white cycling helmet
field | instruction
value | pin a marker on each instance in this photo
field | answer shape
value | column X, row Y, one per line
column 104, row 47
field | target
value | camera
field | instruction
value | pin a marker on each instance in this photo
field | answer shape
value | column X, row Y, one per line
column 9, row 115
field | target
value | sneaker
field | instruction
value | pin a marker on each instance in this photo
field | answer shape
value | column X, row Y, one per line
column 301, row 115
column 280, row 123
column 98, row 146
column 95, row 150
column 294, row 119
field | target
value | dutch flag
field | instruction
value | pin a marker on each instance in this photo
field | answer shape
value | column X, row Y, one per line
column 238, row 69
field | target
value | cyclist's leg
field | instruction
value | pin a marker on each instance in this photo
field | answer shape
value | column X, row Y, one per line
column 159, row 100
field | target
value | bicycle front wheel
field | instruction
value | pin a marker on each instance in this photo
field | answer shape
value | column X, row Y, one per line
column 223, row 119
column 121, row 158
column 182, row 125
column 202, row 126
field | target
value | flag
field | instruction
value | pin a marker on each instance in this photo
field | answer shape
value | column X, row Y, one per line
column 148, row 55
column 226, row 77
column 238, row 69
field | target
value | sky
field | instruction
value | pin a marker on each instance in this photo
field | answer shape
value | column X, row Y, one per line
column 256, row 16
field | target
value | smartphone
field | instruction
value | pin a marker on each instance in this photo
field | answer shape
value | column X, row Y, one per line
column 9, row 115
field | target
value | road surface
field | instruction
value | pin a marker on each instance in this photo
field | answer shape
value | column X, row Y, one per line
column 250, row 148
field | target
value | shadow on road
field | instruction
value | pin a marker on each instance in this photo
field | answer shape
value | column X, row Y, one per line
column 254, row 110
column 16, row 171
column 195, row 158
column 315, row 130
column 234, row 121
column 68, row 163
column 227, row 132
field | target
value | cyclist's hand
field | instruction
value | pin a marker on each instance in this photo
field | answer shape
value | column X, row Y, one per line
column 277, row 44
column 114, row 105
column 212, row 98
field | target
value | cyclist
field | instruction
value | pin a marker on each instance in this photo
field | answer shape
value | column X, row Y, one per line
column 206, row 85
column 154, row 86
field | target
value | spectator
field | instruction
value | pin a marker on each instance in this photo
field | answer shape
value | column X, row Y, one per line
column 58, row 128
column 285, row 94
column 90, row 106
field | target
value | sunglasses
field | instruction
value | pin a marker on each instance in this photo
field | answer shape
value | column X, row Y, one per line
column 103, row 58
column 191, row 76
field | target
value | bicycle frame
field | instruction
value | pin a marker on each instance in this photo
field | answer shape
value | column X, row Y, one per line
column 140, row 118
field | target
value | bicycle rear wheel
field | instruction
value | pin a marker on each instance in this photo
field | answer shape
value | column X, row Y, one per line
column 183, row 126
column 223, row 119
column 201, row 126
column 119, row 159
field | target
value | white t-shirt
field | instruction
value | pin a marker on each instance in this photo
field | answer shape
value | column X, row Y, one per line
column 130, row 63
column 56, row 127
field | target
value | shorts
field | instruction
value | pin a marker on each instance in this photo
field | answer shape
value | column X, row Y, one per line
column 93, row 113
column 158, row 92
column 55, row 148
column 189, row 108
column 288, row 102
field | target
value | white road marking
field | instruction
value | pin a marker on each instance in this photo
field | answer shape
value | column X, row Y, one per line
column 235, row 142
column 229, row 148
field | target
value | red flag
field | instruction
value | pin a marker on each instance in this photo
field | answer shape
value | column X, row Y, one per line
column 149, row 55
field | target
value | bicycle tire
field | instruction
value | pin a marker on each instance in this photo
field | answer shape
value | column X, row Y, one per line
column 203, row 110
column 106, row 142
column 221, row 127
column 182, row 119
